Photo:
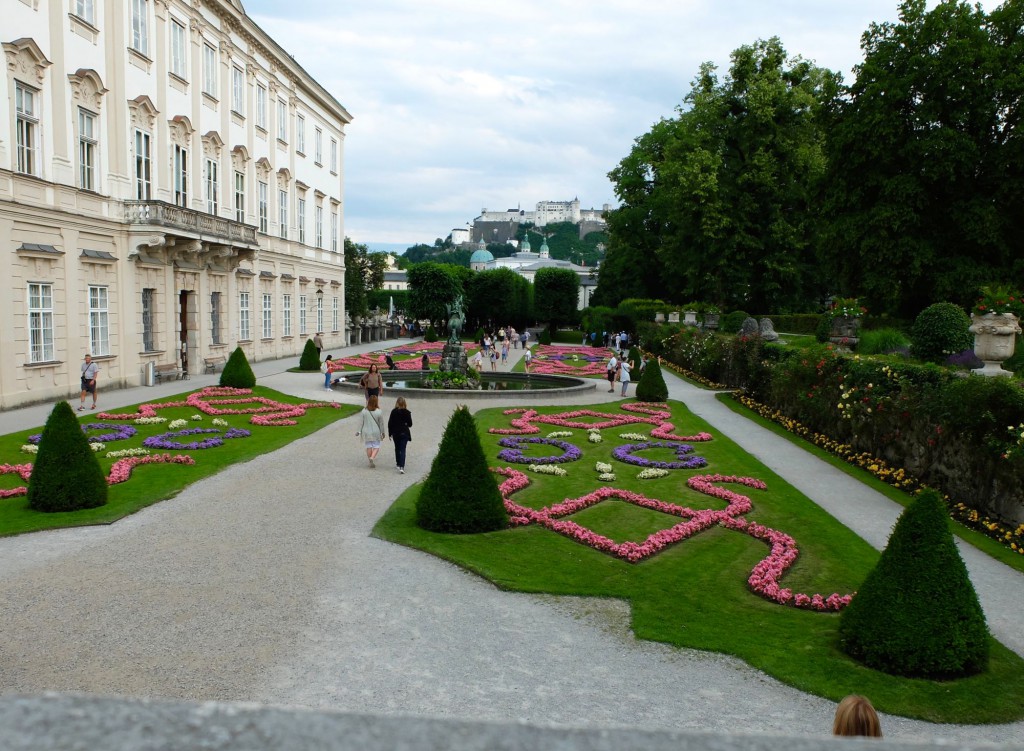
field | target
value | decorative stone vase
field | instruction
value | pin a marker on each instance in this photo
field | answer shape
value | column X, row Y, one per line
column 994, row 341
column 711, row 321
column 690, row 318
column 659, row 318
column 844, row 331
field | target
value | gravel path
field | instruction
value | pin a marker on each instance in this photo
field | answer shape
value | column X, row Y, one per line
column 262, row 584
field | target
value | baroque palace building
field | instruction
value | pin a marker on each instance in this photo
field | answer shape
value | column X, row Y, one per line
column 170, row 189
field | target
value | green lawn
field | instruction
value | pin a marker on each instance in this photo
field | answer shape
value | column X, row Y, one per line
column 695, row 593
column 156, row 482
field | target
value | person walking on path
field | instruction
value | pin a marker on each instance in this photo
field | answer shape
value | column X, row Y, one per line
column 399, row 423
column 527, row 358
column 611, row 367
column 624, row 375
column 372, row 383
column 318, row 342
column 326, row 370
column 504, row 352
column 514, row 337
column 371, row 429
column 478, row 360
column 89, row 372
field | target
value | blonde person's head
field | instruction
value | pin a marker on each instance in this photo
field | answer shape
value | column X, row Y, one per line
column 371, row 403
column 856, row 717
column 400, row 403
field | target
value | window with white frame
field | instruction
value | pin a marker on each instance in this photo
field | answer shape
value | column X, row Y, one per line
column 140, row 26
column 243, row 316
column 334, row 156
column 148, row 317
column 300, row 134
column 40, row 322
column 263, row 209
column 286, row 311
column 302, row 315
column 88, row 149
column 26, row 107
column 319, row 312
column 209, row 70
column 261, row 106
column 238, row 90
column 300, row 219
column 318, row 225
column 318, row 146
column 143, row 165
column 282, row 120
column 335, row 312
column 86, row 10
column 282, row 213
column 239, row 196
column 334, row 231
column 211, row 183
column 179, row 46
column 268, row 317
column 180, row 168
column 215, row 318
column 99, row 321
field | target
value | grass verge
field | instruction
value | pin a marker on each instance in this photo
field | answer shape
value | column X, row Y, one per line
column 694, row 593
column 156, row 482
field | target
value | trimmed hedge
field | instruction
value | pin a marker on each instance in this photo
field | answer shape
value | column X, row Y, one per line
column 238, row 374
column 917, row 614
column 431, row 335
column 66, row 475
column 651, row 387
column 939, row 331
column 460, row 494
column 310, row 359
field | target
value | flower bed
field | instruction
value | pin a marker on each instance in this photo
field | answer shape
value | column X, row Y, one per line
column 551, row 359
column 627, row 454
column 412, row 354
column 164, row 440
column 512, row 452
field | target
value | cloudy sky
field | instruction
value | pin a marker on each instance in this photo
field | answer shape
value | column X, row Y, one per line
column 462, row 105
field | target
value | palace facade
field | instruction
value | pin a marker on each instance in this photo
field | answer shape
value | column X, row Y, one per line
column 170, row 189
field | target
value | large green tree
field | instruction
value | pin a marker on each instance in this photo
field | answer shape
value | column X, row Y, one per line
column 497, row 297
column 364, row 272
column 556, row 295
column 719, row 203
column 925, row 181
column 431, row 287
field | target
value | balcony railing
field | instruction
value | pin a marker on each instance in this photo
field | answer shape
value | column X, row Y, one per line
column 173, row 217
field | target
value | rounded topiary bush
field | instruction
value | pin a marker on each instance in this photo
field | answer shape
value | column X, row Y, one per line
column 310, row 359
column 237, row 373
column 731, row 322
column 431, row 335
column 460, row 493
column 478, row 337
column 652, row 386
column 544, row 337
column 917, row 614
column 66, row 475
column 939, row 331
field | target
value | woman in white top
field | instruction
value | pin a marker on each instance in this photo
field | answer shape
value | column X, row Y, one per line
column 371, row 428
column 624, row 375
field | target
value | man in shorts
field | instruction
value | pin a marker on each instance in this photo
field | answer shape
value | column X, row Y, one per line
column 89, row 372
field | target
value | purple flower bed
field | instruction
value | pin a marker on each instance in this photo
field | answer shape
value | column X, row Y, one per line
column 512, row 452
column 626, row 454
column 163, row 441
column 121, row 432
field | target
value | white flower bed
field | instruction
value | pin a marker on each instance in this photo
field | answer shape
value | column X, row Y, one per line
column 196, row 417
column 127, row 452
column 606, row 477
column 652, row 473
column 149, row 420
column 30, row 448
column 603, row 467
column 634, row 436
column 560, row 434
column 547, row 469
column 594, row 436
column 98, row 446
column 177, row 424
column 218, row 422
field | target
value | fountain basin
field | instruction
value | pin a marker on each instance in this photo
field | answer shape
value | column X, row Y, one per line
column 493, row 385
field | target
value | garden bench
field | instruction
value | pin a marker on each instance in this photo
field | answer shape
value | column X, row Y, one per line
column 167, row 371
column 211, row 364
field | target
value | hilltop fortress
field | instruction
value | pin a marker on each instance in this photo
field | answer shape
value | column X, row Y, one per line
column 501, row 226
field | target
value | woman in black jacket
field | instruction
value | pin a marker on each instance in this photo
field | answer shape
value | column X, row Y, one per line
column 399, row 422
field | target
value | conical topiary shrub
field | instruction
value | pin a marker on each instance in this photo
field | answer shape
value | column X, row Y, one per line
column 460, row 494
column 917, row 614
column 652, row 386
column 431, row 335
column 237, row 373
column 310, row 359
column 66, row 475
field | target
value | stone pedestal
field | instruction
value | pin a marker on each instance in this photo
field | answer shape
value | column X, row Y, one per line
column 711, row 321
column 453, row 358
column 689, row 317
column 994, row 341
column 844, row 331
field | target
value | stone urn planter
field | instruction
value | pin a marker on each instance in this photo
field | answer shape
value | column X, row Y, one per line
column 844, row 331
column 711, row 321
column 994, row 340
column 690, row 318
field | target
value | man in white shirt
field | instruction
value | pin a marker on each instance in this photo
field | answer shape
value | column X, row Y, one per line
column 89, row 372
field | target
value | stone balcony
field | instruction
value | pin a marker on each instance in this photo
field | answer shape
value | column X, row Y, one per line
column 196, row 225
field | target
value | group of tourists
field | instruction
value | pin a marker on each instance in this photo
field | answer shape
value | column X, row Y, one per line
column 371, row 421
column 495, row 347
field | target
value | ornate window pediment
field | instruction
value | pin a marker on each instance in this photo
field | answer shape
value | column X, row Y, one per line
column 25, row 60
column 87, row 88
column 239, row 157
column 263, row 168
column 143, row 113
column 181, row 131
column 212, row 144
column 284, row 177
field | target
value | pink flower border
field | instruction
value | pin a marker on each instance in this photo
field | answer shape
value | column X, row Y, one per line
column 656, row 415
column 765, row 576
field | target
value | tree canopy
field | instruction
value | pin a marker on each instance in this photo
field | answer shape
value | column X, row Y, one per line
column 431, row 287
column 555, row 295
column 364, row 272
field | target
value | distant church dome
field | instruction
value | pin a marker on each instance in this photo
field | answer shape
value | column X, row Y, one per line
column 524, row 247
column 544, row 248
column 479, row 260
